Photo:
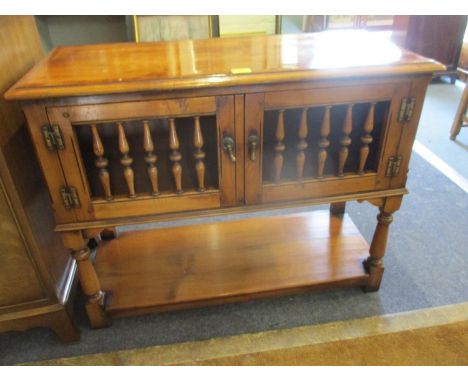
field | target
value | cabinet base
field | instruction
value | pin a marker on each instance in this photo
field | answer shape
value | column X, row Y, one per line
column 189, row 266
column 56, row 317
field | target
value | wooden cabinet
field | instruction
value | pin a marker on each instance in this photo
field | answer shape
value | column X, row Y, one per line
column 36, row 272
column 151, row 132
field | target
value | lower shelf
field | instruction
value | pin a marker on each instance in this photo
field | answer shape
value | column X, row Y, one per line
column 202, row 264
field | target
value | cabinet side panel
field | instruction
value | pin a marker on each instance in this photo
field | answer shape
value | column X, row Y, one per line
column 18, row 281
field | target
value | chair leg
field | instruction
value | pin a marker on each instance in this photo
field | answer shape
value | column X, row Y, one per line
column 458, row 121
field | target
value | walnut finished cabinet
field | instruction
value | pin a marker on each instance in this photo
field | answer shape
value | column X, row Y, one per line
column 36, row 272
column 138, row 133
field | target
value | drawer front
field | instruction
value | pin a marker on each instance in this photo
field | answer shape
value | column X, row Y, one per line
column 147, row 157
column 321, row 142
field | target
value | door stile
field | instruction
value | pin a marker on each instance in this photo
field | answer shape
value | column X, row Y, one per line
column 70, row 157
column 418, row 91
column 254, row 107
column 226, row 129
column 49, row 161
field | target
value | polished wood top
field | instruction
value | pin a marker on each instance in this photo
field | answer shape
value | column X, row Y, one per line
column 188, row 64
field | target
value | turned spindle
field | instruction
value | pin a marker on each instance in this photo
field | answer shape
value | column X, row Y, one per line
column 345, row 140
column 279, row 147
column 95, row 296
column 301, row 144
column 150, row 158
column 324, row 142
column 366, row 139
column 101, row 162
column 126, row 160
column 175, row 156
column 374, row 263
column 199, row 154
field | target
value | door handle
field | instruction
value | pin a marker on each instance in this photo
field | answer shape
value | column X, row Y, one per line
column 252, row 142
column 228, row 146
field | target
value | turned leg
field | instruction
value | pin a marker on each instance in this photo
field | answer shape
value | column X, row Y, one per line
column 95, row 297
column 374, row 263
column 338, row 208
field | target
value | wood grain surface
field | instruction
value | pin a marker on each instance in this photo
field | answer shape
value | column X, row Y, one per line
column 188, row 64
column 228, row 261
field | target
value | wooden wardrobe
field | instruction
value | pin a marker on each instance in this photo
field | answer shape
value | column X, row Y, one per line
column 36, row 273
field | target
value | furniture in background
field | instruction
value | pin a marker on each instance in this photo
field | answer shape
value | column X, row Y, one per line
column 171, row 28
column 463, row 61
column 460, row 120
column 316, row 23
column 167, row 28
column 36, row 273
column 232, row 26
column 438, row 37
column 172, row 130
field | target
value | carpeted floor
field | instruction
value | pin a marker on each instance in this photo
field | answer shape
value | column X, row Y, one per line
column 433, row 336
column 447, row 343
column 440, row 106
column 426, row 266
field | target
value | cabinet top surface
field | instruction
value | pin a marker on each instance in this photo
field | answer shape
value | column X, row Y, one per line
column 189, row 64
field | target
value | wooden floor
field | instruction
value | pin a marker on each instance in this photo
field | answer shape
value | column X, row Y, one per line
column 196, row 265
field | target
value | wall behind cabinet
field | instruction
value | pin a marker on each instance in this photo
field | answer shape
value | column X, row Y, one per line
column 77, row 30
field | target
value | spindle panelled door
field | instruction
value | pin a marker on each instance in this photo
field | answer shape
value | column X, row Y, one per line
column 321, row 142
column 147, row 157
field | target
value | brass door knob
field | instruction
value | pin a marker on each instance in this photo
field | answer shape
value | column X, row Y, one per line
column 252, row 142
column 228, row 146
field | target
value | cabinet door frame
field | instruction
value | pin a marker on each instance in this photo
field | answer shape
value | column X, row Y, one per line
column 74, row 170
column 336, row 94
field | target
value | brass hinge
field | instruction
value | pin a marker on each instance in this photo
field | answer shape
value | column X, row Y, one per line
column 70, row 197
column 53, row 137
column 406, row 109
column 393, row 166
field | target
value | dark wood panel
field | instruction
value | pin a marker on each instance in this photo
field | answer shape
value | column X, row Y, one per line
column 437, row 36
column 21, row 33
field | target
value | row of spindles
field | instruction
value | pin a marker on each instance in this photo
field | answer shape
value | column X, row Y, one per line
column 324, row 143
column 126, row 160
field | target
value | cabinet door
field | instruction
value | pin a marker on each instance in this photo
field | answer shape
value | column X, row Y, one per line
column 321, row 141
column 148, row 157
